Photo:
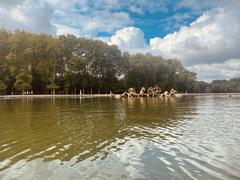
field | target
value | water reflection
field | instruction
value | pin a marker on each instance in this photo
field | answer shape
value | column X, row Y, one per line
column 84, row 137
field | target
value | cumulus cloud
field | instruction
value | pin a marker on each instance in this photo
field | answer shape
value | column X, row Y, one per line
column 90, row 18
column 227, row 70
column 129, row 39
column 213, row 37
column 97, row 22
column 34, row 16
column 208, row 46
column 211, row 42
column 105, row 21
column 101, row 16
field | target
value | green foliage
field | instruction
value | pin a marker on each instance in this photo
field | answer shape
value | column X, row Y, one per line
column 148, row 70
column 68, row 64
column 52, row 86
column 3, row 86
column 23, row 79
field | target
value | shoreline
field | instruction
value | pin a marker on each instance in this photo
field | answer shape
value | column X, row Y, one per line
column 54, row 96
column 98, row 95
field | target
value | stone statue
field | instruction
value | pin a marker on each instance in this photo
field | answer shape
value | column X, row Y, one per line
column 124, row 95
column 156, row 90
column 165, row 94
column 142, row 92
column 173, row 92
column 132, row 92
column 150, row 92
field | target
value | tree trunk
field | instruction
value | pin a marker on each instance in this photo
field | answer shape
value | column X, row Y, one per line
column 53, row 80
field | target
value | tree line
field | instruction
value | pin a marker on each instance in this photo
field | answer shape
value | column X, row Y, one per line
column 218, row 86
column 43, row 64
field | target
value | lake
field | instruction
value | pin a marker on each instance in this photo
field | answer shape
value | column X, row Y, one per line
column 194, row 137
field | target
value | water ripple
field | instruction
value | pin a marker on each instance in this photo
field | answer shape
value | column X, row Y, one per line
column 148, row 138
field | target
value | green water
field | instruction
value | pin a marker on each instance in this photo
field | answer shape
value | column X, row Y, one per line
column 104, row 138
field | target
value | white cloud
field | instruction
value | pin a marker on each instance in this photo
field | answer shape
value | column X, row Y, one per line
column 104, row 39
column 213, row 37
column 209, row 46
column 95, row 22
column 64, row 30
column 90, row 18
column 129, row 39
column 5, row 3
column 136, row 10
column 205, row 4
column 227, row 70
column 211, row 42
column 105, row 21
column 63, row 4
column 101, row 16
column 29, row 15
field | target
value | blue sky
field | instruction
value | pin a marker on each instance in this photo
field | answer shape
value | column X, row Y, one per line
column 162, row 23
column 203, row 34
column 156, row 18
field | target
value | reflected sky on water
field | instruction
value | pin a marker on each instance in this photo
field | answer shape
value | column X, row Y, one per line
column 136, row 138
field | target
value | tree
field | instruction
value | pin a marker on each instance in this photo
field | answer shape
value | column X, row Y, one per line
column 54, row 51
column 185, row 81
column 3, row 86
column 68, row 64
column 19, row 60
column 6, row 78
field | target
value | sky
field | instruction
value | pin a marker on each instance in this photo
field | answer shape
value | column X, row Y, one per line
column 203, row 34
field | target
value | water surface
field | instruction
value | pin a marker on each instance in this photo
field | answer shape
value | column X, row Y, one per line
column 104, row 138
